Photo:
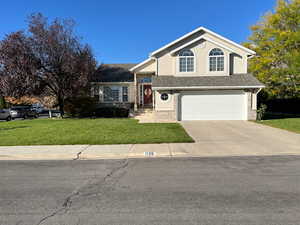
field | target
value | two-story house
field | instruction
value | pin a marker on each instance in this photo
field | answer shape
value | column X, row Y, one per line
column 199, row 76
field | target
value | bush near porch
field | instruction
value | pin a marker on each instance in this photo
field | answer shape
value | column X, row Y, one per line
column 89, row 131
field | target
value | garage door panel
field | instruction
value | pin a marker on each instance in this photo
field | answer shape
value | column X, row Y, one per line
column 213, row 105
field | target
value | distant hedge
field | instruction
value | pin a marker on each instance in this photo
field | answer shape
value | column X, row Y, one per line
column 288, row 105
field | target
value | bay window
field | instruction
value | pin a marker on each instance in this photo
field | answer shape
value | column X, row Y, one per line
column 115, row 94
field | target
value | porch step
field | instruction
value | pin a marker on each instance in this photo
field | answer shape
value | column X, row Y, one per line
column 144, row 110
column 141, row 114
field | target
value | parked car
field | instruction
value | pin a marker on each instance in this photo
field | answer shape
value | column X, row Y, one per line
column 23, row 112
column 38, row 107
column 5, row 114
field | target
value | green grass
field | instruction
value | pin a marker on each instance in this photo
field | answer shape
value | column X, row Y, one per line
column 291, row 124
column 89, row 131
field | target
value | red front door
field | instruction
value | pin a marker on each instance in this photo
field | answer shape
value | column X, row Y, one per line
column 147, row 92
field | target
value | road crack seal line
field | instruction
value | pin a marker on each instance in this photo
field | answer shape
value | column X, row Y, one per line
column 79, row 153
column 79, row 192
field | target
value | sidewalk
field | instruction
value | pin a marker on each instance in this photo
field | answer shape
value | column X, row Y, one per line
column 93, row 152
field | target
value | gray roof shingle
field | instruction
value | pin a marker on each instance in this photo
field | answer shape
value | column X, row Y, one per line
column 126, row 66
column 114, row 73
column 206, row 81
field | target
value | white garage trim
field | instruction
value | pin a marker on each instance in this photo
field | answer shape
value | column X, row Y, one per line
column 213, row 105
column 206, row 87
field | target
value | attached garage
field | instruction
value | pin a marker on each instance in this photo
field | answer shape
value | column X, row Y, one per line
column 230, row 97
column 213, row 105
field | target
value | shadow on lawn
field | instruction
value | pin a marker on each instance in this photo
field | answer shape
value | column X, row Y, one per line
column 13, row 128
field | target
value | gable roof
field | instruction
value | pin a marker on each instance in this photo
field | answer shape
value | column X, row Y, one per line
column 142, row 63
column 207, row 31
column 205, row 82
column 152, row 55
column 114, row 73
column 198, row 39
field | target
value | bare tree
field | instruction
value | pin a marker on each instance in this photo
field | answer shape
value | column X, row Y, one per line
column 17, row 66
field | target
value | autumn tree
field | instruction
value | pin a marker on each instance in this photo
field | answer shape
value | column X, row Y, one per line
column 48, row 59
column 276, row 39
column 17, row 66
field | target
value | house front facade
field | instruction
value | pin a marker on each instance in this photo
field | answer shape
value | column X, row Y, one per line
column 200, row 76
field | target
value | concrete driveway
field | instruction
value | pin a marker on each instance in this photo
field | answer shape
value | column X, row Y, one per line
column 220, row 138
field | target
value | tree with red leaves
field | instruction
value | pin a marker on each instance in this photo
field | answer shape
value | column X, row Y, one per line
column 48, row 60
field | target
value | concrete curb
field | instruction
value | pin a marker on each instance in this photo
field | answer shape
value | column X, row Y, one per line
column 94, row 152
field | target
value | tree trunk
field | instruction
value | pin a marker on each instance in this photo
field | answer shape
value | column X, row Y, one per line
column 61, row 105
column 2, row 102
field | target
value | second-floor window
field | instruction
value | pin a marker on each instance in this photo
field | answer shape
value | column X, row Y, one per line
column 186, row 61
column 216, row 60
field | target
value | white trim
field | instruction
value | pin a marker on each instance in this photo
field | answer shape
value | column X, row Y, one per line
column 117, row 83
column 198, row 39
column 216, row 56
column 194, row 63
column 185, row 45
column 254, row 99
column 141, row 90
column 120, row 89
column 218, row 44
column 246, row 105
column 208, row 75
column 205, row 87
column 169, row 97
column 207, row 31
column 141, row 64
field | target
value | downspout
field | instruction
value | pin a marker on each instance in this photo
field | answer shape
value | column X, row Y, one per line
column 254, row 107
column 156, row 74
column 136, row 93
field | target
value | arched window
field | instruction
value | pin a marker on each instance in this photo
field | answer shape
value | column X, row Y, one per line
column 216, row 60
column 186, row 61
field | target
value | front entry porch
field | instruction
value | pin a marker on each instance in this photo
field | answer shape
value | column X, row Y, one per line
column 144, row 94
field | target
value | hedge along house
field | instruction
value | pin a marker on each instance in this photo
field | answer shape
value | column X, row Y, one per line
column 199, row 76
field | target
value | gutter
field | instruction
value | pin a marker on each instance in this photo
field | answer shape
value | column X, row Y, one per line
column 205, row 87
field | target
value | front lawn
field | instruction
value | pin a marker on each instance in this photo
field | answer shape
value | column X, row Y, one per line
column 291, row 124
column 89, row 131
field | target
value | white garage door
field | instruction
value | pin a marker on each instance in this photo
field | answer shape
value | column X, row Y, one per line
column 214, row 105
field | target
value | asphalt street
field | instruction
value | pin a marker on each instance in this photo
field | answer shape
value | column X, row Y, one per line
column 205, row 191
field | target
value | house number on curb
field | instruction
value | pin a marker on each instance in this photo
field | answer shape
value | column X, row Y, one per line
column 149, row 154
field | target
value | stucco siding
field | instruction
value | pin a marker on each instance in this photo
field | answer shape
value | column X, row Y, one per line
column 233, row 62
column 161, row 105
column 149, row 67
column 251, row 106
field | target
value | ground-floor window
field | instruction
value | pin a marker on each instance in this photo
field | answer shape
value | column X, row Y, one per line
column 115, row 94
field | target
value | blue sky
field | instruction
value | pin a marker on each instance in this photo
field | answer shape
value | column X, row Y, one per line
column 127, row 31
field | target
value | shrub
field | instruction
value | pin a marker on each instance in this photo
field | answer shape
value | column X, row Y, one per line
column 261, row 112
column 280, row 105
column 112, row 112
column 82, row 106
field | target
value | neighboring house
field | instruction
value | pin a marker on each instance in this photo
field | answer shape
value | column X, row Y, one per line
column 200, row 76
